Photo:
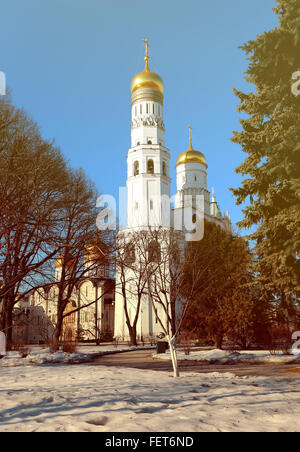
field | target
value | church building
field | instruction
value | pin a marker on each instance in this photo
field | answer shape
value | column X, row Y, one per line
column 148, row 187
column 97, row 306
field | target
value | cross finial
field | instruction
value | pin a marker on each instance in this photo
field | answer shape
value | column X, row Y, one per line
column 190, row 136
column 147, row 45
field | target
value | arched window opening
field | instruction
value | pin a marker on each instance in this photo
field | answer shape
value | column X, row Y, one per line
column 194, row 218
column 175, row 254
column 130, row 254
column 136, row 168
column 195, row 178
column 164, row 168
column 138, row 143
column 149, row 142
column 154, row 252
column 150, row 167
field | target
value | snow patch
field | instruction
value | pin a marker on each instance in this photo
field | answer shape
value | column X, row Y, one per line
column 223, row 356
column 41, row 356
column 113, row 399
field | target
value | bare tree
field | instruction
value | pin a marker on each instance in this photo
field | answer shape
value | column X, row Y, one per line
column 47, row 210
column 174, row 279
column 164, row 256
column 131, row 280
column 78, row 232
column 150, row 263
column 224, row 298
column 32, row 183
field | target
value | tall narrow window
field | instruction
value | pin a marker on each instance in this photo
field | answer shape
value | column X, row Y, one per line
column 147, row 108
column 150, row 167
column 135, row 111
column 153, row 109
column 151, row 204
column 164, row 168
column 141, row 108
column 130, row 254
column 136, row 168
column 154, row 252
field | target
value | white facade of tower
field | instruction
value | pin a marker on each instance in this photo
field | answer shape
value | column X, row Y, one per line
column 147, row 162
column 191, row 179
column 148, row 195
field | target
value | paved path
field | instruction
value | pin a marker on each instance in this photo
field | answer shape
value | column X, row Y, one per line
column 142, row 359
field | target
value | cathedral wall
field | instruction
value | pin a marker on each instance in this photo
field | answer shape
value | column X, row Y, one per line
column 42, row 314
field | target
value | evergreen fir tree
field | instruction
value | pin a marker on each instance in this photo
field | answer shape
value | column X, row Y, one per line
column 271, row 138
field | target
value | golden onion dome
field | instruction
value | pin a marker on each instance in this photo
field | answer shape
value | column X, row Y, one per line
column 147, row 79
column 96, row 252
column 92, row 254
column 191, row 155
column 62, row 259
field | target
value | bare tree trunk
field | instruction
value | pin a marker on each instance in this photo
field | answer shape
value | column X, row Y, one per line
column 173, row 317
column 3, row 313
column 9, row 324
column 132, row 334
column 59, row 326
column 219, row 342
column 173, row 352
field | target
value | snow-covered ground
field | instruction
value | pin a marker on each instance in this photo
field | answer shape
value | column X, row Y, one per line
column 38, row 355
column 96, row 398
column 223, row 356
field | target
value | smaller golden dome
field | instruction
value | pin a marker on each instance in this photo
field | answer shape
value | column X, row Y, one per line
column 68, row 261
column 96, row 252
column 191, row 155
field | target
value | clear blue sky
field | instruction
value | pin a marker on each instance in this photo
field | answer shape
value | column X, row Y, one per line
column 69, row 63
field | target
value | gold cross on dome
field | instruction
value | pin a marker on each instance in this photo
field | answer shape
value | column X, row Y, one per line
column 147, row 45
column 190, row 135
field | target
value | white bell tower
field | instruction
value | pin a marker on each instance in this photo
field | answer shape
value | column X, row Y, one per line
column 148, row 177
column 148, row 193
